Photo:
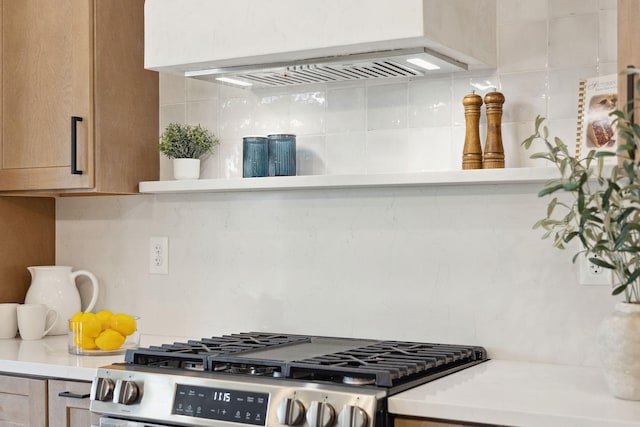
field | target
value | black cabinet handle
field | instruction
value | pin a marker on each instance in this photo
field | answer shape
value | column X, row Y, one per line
column 74, row 145
column 630, row 93
column 73, row 395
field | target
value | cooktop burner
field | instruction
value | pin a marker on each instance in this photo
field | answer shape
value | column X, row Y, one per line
column 358, row 362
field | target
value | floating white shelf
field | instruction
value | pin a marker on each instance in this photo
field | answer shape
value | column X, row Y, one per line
column 309, row 182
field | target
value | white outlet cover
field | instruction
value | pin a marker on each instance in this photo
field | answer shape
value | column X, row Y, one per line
column 159, row 255
column 591, row 274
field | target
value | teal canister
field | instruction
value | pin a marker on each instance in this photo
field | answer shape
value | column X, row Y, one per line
column 282, row 154
column 255, row 156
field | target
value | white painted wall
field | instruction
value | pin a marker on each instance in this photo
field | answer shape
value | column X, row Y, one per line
column 445, row 264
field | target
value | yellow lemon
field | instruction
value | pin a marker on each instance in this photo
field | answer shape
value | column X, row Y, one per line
column 123, row 323
column 104, row 316
column 91, row 326
column 109, row 340
column 84, row 342
column 75, row 321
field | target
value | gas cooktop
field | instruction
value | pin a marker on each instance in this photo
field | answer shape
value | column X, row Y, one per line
column 397, row 365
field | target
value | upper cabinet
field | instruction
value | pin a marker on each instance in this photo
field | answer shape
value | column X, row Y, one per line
column 79, row 111
column 222, row 37
column 628, row 48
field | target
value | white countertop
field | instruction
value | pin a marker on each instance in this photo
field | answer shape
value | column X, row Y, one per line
column 49, row 357
column 520, row 394
column 496, row 392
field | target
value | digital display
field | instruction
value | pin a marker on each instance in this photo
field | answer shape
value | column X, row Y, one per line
column 221, row 404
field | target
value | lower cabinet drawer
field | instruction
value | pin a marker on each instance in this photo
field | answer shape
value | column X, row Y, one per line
column 69, row 404
column 23, row 401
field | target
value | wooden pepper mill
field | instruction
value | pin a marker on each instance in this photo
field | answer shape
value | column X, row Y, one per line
column 472, row 151
column 493, row 149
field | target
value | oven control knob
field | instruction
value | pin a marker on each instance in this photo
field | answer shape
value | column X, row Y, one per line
column 320, row 414
column 126, row 392
column 290, row 412
column 352, row 416
column 102, row 389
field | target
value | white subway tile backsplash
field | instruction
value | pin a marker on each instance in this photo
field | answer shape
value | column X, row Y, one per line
column 457, row 145
column 310, row 155
column 272, row 113
column 607, row 4
column 172, row 89
column 172, row 113
column 563, row 91
column 388, row 151
column 237, row 117
column 565, row 129
column 307, row 114
column 607, row 40
column 561, row 8
column 387, row 106
column 522, row 10
column 525, row 96
column 201, row 89
column 431, row 148
column 230, row 159
column 564, row 32
column 523, row 46
column 429, row 103
column 210, row 165
column 203, row 113
column 346, row 109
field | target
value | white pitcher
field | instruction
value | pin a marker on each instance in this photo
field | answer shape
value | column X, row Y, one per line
column 55, row 286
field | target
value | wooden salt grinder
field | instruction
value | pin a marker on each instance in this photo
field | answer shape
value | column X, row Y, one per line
column 493, row 149
column 472, row 151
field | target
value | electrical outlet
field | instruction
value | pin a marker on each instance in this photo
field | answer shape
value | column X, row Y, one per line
column 592, row 274
column 159, row 255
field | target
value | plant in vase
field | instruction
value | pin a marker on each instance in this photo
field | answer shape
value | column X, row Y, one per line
column 601, row 210
column 186, row 144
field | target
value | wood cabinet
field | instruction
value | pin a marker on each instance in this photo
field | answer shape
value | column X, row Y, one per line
column 79, row 111
column 628, row 48
column 28, row 230
column 69, row 404
column 23, row 401
column 38, row 402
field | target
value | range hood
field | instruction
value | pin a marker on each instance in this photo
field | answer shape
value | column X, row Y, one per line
column 266, row 43
column 364, row 66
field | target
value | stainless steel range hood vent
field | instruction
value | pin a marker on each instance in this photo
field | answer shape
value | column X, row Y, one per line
column 366, row 66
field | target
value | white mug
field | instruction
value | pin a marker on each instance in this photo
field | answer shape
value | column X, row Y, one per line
column 8, row 320
column 32, row 321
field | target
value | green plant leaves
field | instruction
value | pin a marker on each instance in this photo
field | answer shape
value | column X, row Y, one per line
column 602, row 212
column 180, row 141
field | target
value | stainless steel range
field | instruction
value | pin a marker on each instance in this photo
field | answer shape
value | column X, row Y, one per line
column 269, row 379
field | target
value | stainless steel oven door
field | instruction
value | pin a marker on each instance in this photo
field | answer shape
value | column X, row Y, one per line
column 113, row 422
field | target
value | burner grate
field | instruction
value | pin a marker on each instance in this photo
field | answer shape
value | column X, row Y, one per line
column 389, row 361
column 196, row 354
column 394, row 364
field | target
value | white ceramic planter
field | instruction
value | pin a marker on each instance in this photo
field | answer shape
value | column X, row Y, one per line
column 619, row 346
column 186, row 169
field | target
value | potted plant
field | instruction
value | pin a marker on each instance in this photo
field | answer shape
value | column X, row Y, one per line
column 186, row 144
column 600, row 208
